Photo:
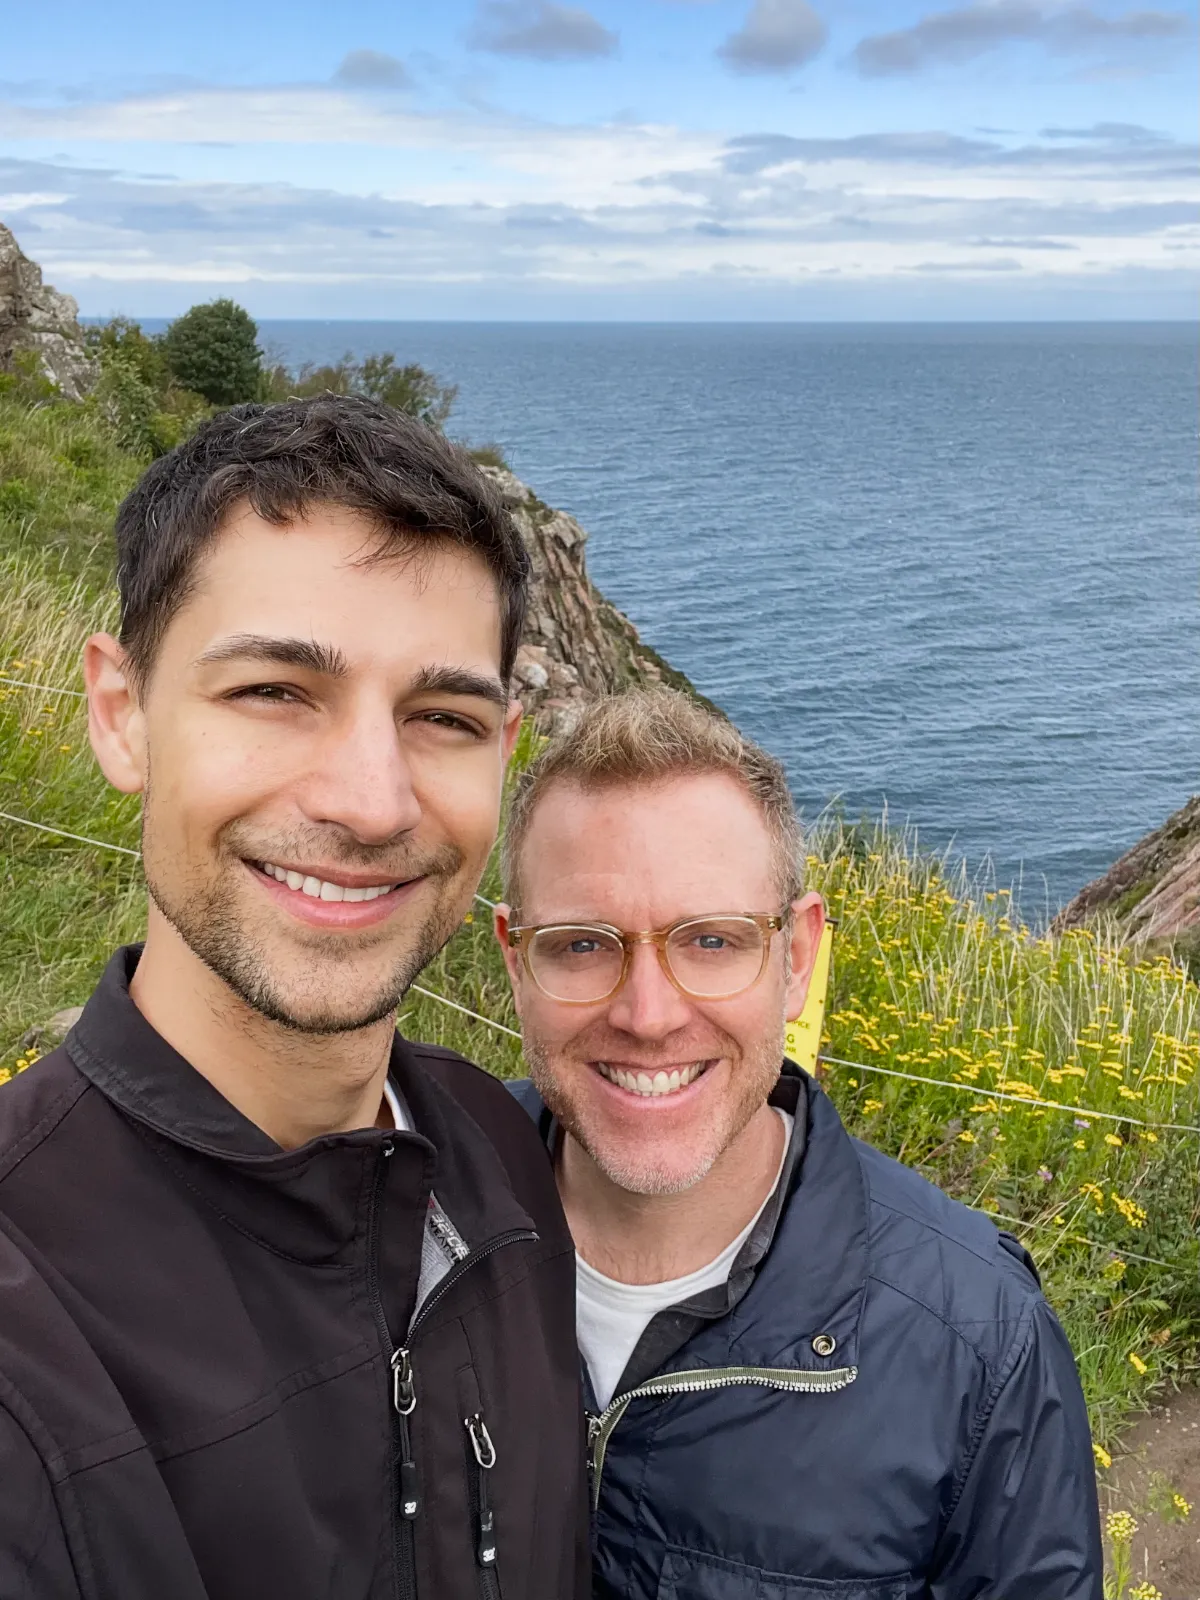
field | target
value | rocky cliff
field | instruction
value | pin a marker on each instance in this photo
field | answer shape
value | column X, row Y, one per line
column 1153, row 891
column 577, row 643
column 38, row 319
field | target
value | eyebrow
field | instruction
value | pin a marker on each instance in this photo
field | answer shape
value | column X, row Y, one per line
column 460, row 681
column 306, row 654
column 309, row 656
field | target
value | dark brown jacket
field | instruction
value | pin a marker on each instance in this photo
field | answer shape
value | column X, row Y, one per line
column 202, row 1337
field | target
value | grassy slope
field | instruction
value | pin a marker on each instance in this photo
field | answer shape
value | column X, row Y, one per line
column 931, row 977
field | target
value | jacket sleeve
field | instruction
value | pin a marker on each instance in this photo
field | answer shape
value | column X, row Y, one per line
column 34, row 1560
column 1027, row 1521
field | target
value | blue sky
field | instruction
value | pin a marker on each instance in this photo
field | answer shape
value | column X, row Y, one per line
column 625, row 158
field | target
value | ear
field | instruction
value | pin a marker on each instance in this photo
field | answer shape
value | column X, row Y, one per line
column 501, row 922
column 116, row 722
column 512, row 729
column 808, row 922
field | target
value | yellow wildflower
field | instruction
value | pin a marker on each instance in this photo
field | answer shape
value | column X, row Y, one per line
column 1121, row 1527
column 1103, row 1459
column 966, row 1136
column 1145, row 1591
column 870, row 1106
column 1138, row 1365
column 1114, row 1139
column 1183, row 1507
column 1133, row 1213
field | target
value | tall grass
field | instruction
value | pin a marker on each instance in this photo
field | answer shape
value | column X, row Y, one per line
column 934, row 976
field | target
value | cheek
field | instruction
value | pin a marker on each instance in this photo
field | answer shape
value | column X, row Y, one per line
column 461, row 804
column 205, row 777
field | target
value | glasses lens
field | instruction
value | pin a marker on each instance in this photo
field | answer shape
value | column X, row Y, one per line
column 576, row 963
column 716, row 956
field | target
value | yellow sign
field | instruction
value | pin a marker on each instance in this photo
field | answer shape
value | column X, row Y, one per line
column 802, row 1039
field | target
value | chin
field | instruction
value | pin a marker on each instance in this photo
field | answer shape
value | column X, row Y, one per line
column 641, row 1171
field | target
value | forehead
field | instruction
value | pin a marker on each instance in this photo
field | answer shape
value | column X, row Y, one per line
column 328, row 577
column 641, row 855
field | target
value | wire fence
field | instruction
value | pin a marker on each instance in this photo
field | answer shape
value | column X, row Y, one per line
column 500, row 1027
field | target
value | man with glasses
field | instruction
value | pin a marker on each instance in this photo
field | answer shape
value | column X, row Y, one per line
column 810, row 1373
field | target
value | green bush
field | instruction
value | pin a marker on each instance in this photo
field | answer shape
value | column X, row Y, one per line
column 410, row 388
column 213, row 350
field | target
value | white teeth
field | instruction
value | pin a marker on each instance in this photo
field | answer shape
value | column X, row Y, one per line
column 319, row 889
column 652, row 1085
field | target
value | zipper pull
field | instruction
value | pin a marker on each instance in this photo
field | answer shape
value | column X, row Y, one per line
column 404, row 1402
column 485, row 1457
column 593, row 1433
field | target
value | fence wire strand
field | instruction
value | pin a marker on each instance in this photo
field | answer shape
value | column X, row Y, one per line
column 833, row 1061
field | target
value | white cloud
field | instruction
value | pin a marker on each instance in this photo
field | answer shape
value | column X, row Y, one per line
column 777, row 36
column 972, row 30
column 540, row 30
column 372, row 69
column 471, row 199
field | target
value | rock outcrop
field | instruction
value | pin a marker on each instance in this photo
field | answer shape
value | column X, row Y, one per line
column 577, row 644
column 36, row 318
column 1153, row 891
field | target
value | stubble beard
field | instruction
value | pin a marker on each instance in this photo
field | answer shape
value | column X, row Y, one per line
column 210, row 917
column 754, row 1073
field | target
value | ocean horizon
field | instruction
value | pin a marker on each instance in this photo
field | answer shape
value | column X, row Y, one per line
column 950, row 570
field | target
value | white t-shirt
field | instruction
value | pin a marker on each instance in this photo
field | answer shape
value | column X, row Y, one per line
column 612, row 1316
column 401, row 1120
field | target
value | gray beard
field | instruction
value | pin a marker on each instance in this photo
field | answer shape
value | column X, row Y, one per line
column 759, row 1070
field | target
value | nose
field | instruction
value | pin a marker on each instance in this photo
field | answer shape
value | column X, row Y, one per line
column 361, row 780
column 648, row 1005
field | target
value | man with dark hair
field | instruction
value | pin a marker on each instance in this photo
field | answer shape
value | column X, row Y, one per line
column 287, row 1301
column 810, row 1372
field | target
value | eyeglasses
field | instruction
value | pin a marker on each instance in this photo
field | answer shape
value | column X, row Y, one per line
column 706, row 958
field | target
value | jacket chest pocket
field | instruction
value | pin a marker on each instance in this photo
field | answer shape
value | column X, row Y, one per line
column 690, row 1575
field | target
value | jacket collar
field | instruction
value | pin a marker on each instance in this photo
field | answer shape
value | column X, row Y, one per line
column 133, row 1066
column 801, row 1276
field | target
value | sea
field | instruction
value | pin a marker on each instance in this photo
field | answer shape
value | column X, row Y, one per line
column 950, row 572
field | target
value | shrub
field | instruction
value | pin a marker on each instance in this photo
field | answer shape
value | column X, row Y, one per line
column 213, row 350
column 410, row 388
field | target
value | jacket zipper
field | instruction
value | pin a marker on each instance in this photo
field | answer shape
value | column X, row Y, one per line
column 403, row 1575
column 701, row 1381
column 483, row 1517
column 404, row 1388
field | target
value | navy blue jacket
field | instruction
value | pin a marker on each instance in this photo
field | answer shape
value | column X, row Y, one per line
column 885, row 1408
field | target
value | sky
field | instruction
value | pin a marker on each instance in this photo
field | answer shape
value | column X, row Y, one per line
column 629, row 159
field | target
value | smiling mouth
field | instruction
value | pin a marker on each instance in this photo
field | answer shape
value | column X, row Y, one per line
column 652, row 1085
column 321, row 888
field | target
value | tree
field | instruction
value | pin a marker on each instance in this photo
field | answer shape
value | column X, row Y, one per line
column 213, row 350
column 410, row 388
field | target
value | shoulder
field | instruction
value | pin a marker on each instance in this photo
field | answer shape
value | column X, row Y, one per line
column 947, row 1257
column 33, row 1106
column 476, row 1089
column 509, row 1129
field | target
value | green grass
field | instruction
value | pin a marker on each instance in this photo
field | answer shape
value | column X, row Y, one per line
column 932, row 976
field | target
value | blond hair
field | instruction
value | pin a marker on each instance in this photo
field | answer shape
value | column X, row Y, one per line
column 647, row 736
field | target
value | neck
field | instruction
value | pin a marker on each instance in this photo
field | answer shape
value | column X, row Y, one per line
column 294, row 1086
column 650, row 1238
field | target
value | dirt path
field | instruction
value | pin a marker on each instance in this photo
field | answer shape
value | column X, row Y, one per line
column 1159, row 1456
